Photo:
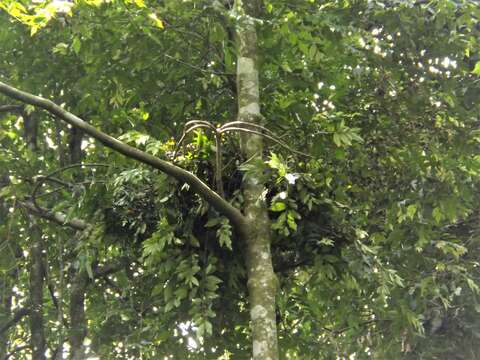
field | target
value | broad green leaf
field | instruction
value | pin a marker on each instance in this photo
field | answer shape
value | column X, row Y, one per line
column 278, row 206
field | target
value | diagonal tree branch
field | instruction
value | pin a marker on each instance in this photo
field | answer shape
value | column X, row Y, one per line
column 56, row 217
column 15, row 350
column 111, row 267
column 182, row 175
column 17, row 316
column 11, row 108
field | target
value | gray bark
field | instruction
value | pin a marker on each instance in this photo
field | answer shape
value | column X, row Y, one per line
column 262, row 282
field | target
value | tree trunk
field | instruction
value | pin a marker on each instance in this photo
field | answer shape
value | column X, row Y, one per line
column 37, row 339
column 5, row 311
column 78, row 322
column 37, row 336
column 30, row 124
column 75, row 145
column 262, row 282
column 5, row 287
column 61, row 337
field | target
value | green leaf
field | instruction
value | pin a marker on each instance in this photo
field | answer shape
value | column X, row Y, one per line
column 278, row 206
column 276, row 162
column 213, row 222
column 327, row 242
column 156, row 21
column 473, row 285
column 411, row 211
column 76, row 45
column 337, row 139
column 60, row 48
column 224, row 233
column 181, row 293
column 291, row 220
column 476, row 70
column 437, row 214
column 212, row 283
column 194, row 281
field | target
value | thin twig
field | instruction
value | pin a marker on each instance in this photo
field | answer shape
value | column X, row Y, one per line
column 186, row 132
column 279, row 142
column 49, row 177
column 245, row 123
column 58, row 189
column 198, row 68
column 205, row 122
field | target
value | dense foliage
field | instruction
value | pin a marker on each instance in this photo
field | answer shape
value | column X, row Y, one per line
column 371, row 111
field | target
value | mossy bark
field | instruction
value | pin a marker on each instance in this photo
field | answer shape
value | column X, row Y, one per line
column 257, row 235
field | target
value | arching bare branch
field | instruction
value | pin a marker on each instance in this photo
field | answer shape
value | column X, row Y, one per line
column 274, row 139
column 247, row 124
column 204, row 122
column 186, row 132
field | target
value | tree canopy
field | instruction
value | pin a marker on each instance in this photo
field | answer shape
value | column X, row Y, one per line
column 157, row 158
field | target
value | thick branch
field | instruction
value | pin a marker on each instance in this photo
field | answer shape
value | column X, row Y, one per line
column 110, row 268
column 56, row 217
column 220, row 204
column 11, row 108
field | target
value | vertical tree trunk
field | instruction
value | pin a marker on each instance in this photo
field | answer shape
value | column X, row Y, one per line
column 75, row 145
column 5, row 286
column 37, row 336
column 37, row 339
column 30, row 125
column 61, row 337
column 78, row 322
column 5, row 291
column 261, row 278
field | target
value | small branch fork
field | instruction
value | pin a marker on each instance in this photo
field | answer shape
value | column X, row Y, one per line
column 50, row 177
column 238, row 126
column 62, row 219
